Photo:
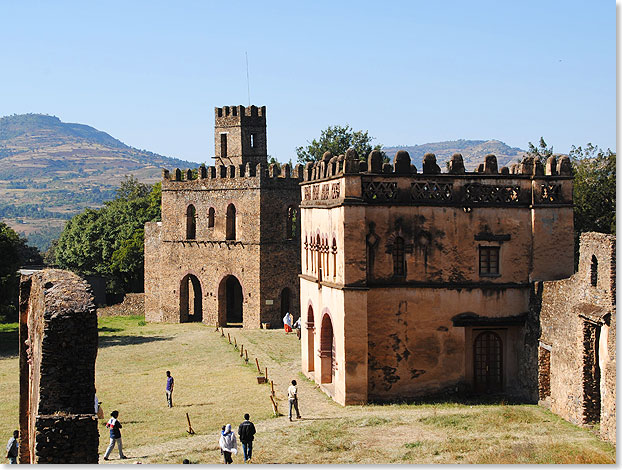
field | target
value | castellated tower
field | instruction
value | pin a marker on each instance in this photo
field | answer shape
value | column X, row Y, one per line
column 240, row 135
column 227, row 251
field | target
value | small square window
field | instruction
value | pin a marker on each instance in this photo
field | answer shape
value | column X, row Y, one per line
column 488, row 260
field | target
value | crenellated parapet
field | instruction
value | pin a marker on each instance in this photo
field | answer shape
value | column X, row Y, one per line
column 213, row 176
column 529, row 183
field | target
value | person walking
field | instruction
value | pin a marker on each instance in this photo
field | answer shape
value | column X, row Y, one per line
column 12, row 448
column 297, row 327
column 228, row 443
column 287, row 322
column 115, row 435
column 170, row 383
column 292, row 395
column 246, row 431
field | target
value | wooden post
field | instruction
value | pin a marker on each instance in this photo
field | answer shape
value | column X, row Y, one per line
column 222, row 332
column 216, row 328
column 275, row 408
column 190, row 430
column 272, row 387
column 246, row 356
column 241, row 350
column 229, row 338
column 258, row 368
column 266, row 373
column 235, row 343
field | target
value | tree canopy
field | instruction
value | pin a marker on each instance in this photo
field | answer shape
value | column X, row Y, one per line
column 594, row 189
column 109, row 241
column 337, row 139
column 541, row 152
column 14, row 253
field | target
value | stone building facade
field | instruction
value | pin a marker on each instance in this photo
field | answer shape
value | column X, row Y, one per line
column 577, row 344
column 57, row 352
column 227, row 251
column 417, row 283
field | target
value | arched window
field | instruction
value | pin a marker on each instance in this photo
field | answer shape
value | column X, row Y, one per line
column 594, row 271
column 398, row 257
column 230, row 222
column 319, row 258
column 310, row 339
column 306, row 253
column 210, row 217
column 334, row 257
column 191, row 222
column 292, row 220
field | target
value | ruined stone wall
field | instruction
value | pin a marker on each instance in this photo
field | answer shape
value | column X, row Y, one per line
column 58, row 348
column 577, row 318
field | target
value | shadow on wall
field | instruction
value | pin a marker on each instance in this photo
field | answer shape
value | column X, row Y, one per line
column 114, row 340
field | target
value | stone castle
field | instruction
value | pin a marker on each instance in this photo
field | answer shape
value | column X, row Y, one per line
column 415, row 283
column 407, row 283
column 227, row 251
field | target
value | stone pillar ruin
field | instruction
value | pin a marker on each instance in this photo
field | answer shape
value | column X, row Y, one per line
column 57, row 352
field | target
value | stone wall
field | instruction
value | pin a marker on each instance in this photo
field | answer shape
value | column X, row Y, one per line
column 132, row 304
column 58, row 348
column 577, row 322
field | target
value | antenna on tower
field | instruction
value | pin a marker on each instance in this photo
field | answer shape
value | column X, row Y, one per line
column 248, row 82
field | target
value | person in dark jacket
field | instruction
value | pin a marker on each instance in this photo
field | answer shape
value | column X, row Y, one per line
column 115, row 435
column 246, row 433
column 11, row 448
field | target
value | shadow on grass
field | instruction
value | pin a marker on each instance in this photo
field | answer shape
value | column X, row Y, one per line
column 459, row 398
column 115, row 340
column 107, row 329
column 9, row 342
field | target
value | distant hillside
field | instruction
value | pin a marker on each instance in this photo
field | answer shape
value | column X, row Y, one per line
column 473, row 152
column 51, row 170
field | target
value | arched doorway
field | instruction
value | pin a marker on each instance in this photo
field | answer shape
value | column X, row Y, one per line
column 230, row 302
column 310, row 339
column 286, row 295
column 327, row 350
column 488, row 362
column 190, row 299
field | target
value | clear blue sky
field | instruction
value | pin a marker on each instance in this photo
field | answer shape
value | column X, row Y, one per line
column 410, row 72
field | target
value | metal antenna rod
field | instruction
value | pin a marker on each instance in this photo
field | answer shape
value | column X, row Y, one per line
column 248, row 83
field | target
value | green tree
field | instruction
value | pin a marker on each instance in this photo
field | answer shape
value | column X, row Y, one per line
column 594, row 189
column 105, row 241
column 15, row 252
column 541, row 152
column 337, row 139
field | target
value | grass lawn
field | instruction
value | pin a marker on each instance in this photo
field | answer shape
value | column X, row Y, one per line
column 215, row 386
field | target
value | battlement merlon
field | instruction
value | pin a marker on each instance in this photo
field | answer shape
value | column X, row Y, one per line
column 338, row 179
column 233, row 116
column 244, row 174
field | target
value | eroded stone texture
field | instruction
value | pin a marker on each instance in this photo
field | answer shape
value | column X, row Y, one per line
column 409, row 281
column 577, row 358
column 58, row 348
column 244, row 246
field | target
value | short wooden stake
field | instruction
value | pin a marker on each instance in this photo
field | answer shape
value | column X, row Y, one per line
column 216, row 328
column 241, row 350
column 229, row 338
column 235, row 343
column 258, row 368
column 190, row 430
column 246, row 356
column 275, row 408
column 222, row 332
column 272, row 387
column 266, row 373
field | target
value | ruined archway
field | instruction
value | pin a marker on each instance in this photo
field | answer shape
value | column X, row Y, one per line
column 327, row 350
column 190, row 299
column 310, row 339
column 230, row 302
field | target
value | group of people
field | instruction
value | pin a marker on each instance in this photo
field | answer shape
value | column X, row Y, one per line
column 287, row 324
column 228, row 440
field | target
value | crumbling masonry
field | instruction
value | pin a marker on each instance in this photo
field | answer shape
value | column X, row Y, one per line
column 57, row 352
column 577, row 348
